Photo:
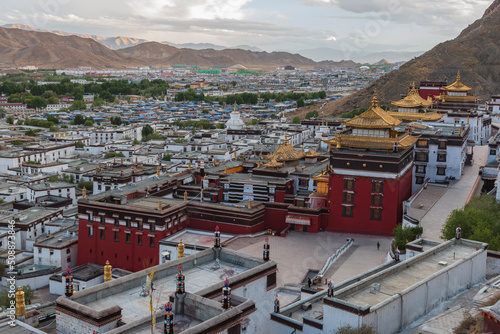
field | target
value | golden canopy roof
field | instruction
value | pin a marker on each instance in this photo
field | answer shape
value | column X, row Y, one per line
column 374, row 118
column 412, row 100
column 273, row 164
column 312, row 154
column 285, row 152
column 458, row 86
column 323, row 176
column 414, row 116
column 372, row 143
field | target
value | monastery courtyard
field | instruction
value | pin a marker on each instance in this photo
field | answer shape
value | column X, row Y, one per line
column 311, row 250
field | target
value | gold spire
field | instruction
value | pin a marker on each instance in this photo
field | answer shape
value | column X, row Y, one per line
column 302, row 148
column 84, row 193
column 180, row 250
column 20, row 303
column 467, row 119
column 258, row 163
column 107, row 272
column 234, row 106
column 189, row 165
column 234, row 155
column 458, row 86
column 158, row 171
column 249, row 203
column 185, row 196
column 225, row 169
column 375, row 100
column 160, row 207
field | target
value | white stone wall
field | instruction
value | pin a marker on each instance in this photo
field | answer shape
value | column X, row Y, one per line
column 70, row 325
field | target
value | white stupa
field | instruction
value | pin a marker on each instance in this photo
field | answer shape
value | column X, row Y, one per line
column 235, row 122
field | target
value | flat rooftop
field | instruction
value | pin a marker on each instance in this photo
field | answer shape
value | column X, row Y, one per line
column 399, row 280
column 200, row 238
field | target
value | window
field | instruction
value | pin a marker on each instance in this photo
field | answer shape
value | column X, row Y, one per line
column 441, row 171
column 51, row 252
column 127, row 238
column 493, row 152
column 116, row 236
column 139, row 239
column 152, row 242
column 89, row 218
column 442, row 145
column 152, row 227
column 419, row 180
column 68, row 259
column 376, row 214
column 377, row 187
column 102, row 220
column 271, row 280
column 441, row 157
column 117, row 222
column 349, row 184
column 348, row 198
column 347, row 211
column 68, row 251
column 377, row 200
column 420, row 169
column 422, row 143
column 139, row 225
column 91, row 231
column 303, row 182
column 422, row 156
column 102, row 234
column 128, row 224
column 39, row 250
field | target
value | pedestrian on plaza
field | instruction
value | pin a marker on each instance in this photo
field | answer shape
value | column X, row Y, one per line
column 309, row 282
column 378, row 245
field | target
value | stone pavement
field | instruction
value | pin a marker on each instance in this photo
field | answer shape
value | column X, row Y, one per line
column 300, row 251
column 454, row 198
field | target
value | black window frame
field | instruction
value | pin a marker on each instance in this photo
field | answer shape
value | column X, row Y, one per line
column 441, row 157
column 346, row 184
column 372, row 213
column 418, row 158
column 345, row 210
column 440, row 170
column 346, row 196
column 380, row 199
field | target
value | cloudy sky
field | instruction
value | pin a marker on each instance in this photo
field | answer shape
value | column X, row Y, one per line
column 349, row 25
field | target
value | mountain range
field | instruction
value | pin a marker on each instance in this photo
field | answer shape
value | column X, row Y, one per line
column 475, row 53
column 316, row 54
column 20, row 47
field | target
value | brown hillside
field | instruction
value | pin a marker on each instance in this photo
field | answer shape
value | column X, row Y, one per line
column 47, row 50
column 475, row 52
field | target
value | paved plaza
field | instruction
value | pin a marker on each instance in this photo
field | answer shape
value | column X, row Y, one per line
column 300, row 251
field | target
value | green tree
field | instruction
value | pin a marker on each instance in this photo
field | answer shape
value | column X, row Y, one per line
column 78, row 105
column 79, row 120
column 167, row 157
column 147, row 130
column 37, row 103
column 479, row 220
column 220, row 125
column 89, row 185
column 2, row 112
column 322, row 94
column 296, row 120
column 20, row 122
column 53, row 128
column 89, row 122
column 10, row 120
column 53, row 119
column 79, row 144
column 28, row 296
column 255, row 121
column 402, row 236
column 300, row 103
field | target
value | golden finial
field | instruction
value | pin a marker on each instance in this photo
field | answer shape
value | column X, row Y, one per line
column 135, row 159
column 180, row 250
column 189, row 164
column 258, row 163
column 460, row 130
column 375, row 100
column 20, row 303
column 467, row 119
column 84, row 193
column 185, row 196
column 234, row 155
column 286, row 139
column 326, row 123
column 158, row 171
column 225, row 169
column 121, row 161
column 107, row 272
column 458, row 75
column 302, row 148
column 249, row 203
column 160, row 207
column 234, row 106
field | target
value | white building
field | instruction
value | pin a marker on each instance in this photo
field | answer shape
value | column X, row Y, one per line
column 43, row 153
column 58, row 249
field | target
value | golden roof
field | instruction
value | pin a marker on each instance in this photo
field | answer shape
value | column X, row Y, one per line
column 412, row 100
column 414, row 116
column 457, row 98
column 457, row 86
column 274, row 164
column 323, row 176
column 285, row 152
column 372, row 143
column 312, row 154
column 374, row 118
